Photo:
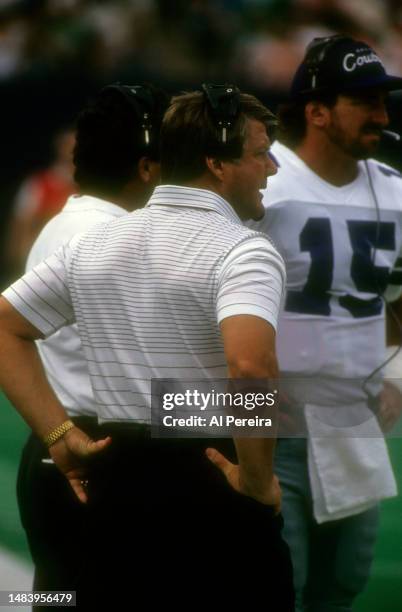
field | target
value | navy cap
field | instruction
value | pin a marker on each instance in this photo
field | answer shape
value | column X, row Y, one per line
column 340, row 64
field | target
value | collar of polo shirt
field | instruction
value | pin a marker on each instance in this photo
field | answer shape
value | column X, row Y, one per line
column 178, row 195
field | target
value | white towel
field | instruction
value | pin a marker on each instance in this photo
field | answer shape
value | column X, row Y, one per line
column 349, row 467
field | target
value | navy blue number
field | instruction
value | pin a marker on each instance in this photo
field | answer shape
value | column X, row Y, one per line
column 316, row 239
column 365, row 236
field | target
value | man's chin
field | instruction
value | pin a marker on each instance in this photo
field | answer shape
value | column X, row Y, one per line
column 369, row 145
column 258, row 212
column 361, row 152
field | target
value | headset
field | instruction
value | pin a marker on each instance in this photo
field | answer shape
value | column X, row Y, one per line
column 142, row 101
column 316, row 53
column 224, row 105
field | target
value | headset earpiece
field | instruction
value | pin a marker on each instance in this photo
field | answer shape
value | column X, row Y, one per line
column 142, row 102
column 224, row 103
column 316, row 53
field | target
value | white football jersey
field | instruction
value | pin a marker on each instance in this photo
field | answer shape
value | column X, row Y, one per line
column 339, row 251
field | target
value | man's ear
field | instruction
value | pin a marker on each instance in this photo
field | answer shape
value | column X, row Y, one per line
column 215, row 166
column 317, row 114
column 148, row 170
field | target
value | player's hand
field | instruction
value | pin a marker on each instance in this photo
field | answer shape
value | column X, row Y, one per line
column 270, row 496
column 71, row 454
column 291, row 420
column 390, row 408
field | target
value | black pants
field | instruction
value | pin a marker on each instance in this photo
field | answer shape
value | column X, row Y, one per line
column 160, row 521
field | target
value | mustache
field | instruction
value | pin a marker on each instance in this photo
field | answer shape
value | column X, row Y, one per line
column 373, row 127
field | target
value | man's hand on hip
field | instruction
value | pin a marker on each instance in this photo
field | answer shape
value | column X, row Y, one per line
column 270, row 496
column 71, row 454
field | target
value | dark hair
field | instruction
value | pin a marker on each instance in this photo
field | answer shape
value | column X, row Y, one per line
column 189, row 134
column 292, row 125
column 110, row 141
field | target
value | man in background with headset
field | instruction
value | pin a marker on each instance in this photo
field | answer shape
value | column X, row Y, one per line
column 336, row 217
column 177, row 289
column 117, row 166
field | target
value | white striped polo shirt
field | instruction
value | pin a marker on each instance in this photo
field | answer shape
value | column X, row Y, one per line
column 149, row 290
column 61, row 354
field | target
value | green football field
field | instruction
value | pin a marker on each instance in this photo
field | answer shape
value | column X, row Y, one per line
column 384, row 593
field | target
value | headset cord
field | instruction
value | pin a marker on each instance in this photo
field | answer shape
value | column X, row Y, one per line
column 373, row 403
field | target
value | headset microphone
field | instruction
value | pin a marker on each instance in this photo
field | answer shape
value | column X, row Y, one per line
column 392, row 135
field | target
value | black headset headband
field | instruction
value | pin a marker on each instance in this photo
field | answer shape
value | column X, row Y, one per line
column 141, row 100
column 316, row 53
column 224, row 104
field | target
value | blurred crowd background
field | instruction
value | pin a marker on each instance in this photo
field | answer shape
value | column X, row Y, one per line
column 55, row 54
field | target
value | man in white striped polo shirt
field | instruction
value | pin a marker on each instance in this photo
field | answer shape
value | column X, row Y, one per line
column 179, row 289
